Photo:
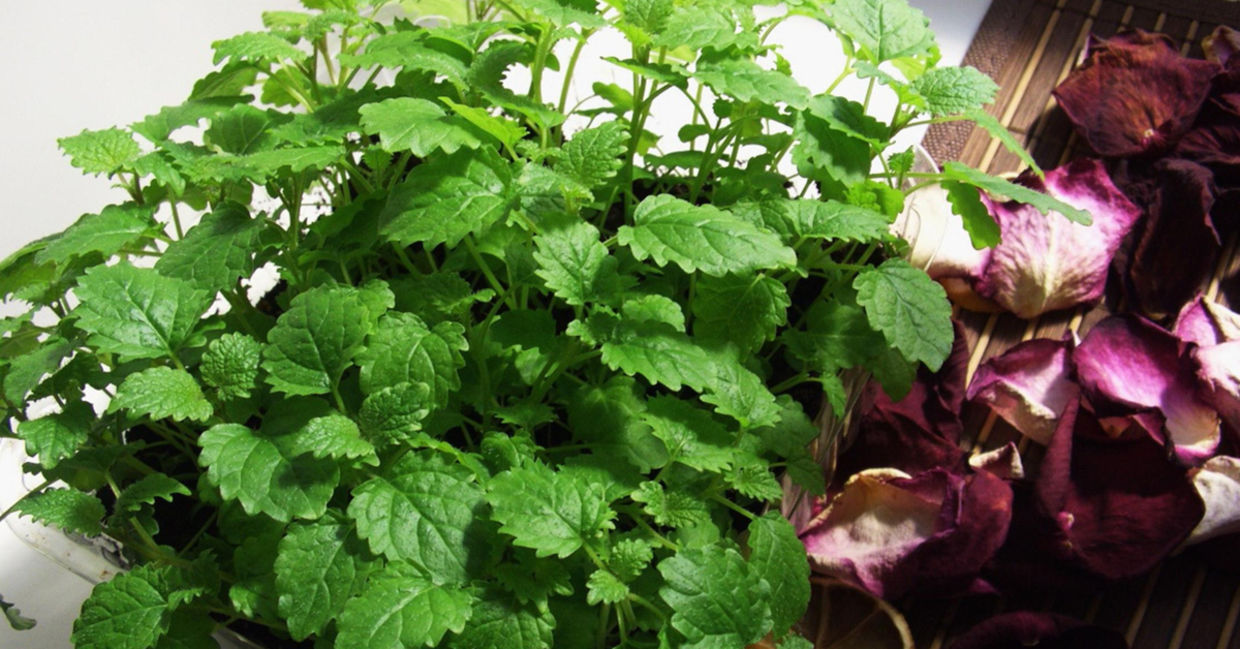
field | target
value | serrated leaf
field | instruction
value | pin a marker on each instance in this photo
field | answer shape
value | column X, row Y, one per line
column 653, row 308
column 403, row 349
column 594, row 154
column 629, row 557
column 981, row 226
column 700, row 237
column 500, row 621
column 251, row 468
column 146, row 490
column 575, row 264
column 671, row 508
column 68, row 509
column 218, row 251
column 447, row 199
column 230, row 365
column 909, row 308
column 26, row 371
column 107, row 232
column 242, row 129
column 692, row 436
column 697, row 28
column 401, row 609
column 229, row 81
column 952, row 90
column 746, row 81
column 849, row 117
column 315, row 340
column 136, row 312
column 411, row 51
column 837, row 335
column 778, row 557
column 132, row 611
column 505, row 131
column 603, row 587
column 255, row 47
column 162, row 393
column 161, row 125
column 334, row 436
column 741, row 394
column 650, row 16
column 1044, row 203
column 395, row 413
column 744, row 310
column 57, row 436
column 420, row 510
column 551, row 512
column 883, row 30
column 823, row 220
column 609, row 417
column 189, row 629
column 829, row 155
column 17, row 621
column 566, row 12
column 997, row 130
column 100, row 152
column 486, row 76
column 719, row 602
column 318, row 567
column 417, row 125
column 751, row 477
column 264, row 164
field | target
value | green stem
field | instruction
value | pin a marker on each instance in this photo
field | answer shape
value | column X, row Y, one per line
column 733, row 506
column 645, row 603
column 176, row 220
column 486, row 271
column 572, row 65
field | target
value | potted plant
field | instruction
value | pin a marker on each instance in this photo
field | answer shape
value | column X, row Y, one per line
column 530, row 374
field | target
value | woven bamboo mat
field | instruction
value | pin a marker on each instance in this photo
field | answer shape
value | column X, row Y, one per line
column 1028, row 47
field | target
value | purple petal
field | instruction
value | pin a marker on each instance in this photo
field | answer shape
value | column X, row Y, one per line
column 1128, row 364
column 1218, row 483
column 1218, row 369
column 1029, row 386
column 1046, row 262
column 1044, row 630
column 1135, row 94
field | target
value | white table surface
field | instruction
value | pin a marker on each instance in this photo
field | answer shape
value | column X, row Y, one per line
column 71, row 65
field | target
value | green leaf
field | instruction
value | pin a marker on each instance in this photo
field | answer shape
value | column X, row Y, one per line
column 981, row 226
column 837, row 335
column 650, row 16
column 161, row 125
column 403, row 349
column 400, row 609
column 609, row 417
column 68, row 509
column 230, row 365
column 318, row 567
column 264, row 164
column 251, row 468
column 909, row 308
column 486, row 76
column 395, row 413
column 505, row 131
column 697, row 28
column 883, row 30
column 334, row 436
column 692, row 436
column 823, row 220
column 229, row 81
column 739, row 309
column 741, row 394
column 653, row 308
column 604, row 588
column 242, row 129
column 255, row 47
column 447, row 199
column 700, row 237
column 132, row 611
column 136, row 312
column 629, row 557
column 1044, row 203
column 162, row 393
column 218, row 251
column 594, row 154
column 17, row 621
column 146, row 490
column 189, row 629
column 26, row 372
column 778, row 557
column 566, row 12
column 410, row 50
column 100, row 152
column 423, row 511
column 952, row 90
column 57, row 436
column 314, row 342
column 575, row 264
column 671, row 508
column 849, row 117
column 745, row 80
column 719, row 602
column 499, row 620
column 829, row 155
column 997, row 130
column 417, row 125
column 553, row 513
column 106, row 233
column 751, row 477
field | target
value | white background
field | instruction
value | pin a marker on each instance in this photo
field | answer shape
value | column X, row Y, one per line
column 66, row 66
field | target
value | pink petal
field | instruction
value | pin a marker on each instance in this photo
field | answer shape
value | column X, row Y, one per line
column 1046, row 262
column 1135, row 94
column 1218, row 483
column 1129, row 364
column 1029, row 386
column 1218, row 369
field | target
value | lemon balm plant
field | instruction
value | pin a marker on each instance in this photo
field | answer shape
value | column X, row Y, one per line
column 531, row 375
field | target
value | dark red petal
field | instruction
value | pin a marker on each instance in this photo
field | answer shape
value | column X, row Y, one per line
column 1135, row 94
column 1021, row 629
column 1221, row 44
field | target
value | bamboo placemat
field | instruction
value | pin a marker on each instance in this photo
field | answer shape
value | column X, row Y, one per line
column 1028, row 47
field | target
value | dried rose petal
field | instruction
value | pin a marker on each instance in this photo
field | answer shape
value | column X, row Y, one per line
column 1221, row 45
column 1214, row 332
column 1178, row 221
column 1003, row 462
column 1029, row 386
column 1218, row 483
column 1118, row 506
column 1044, row 630
column 1046, row 262
column 1135, row 94
column 892, row 534
column 1127, row 364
